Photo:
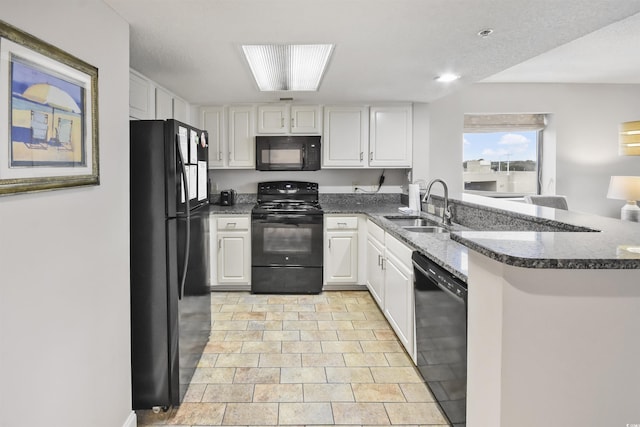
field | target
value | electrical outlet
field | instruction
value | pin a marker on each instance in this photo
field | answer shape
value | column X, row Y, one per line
column 354, row 185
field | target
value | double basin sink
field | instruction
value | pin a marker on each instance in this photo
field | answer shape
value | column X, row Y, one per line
column 417, row 224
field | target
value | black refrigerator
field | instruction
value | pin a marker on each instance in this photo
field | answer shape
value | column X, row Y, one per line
column 170, row 293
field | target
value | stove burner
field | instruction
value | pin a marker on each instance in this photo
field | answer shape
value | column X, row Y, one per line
column 286, row 206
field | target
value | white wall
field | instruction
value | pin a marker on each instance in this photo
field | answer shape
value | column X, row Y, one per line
column 584, row 124
column 64, row 255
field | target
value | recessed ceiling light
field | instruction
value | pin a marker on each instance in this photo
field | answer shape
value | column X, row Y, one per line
column 288, row 67
column 447, row 78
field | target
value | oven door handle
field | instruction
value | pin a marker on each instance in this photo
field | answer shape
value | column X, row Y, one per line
column 287, row 219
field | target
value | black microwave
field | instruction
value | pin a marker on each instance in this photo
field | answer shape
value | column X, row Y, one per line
column 288, row 153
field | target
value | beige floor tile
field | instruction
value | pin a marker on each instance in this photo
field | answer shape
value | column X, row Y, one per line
column 332, row 325
column 385, row 335
column 265, row 325
column 247, row 414
column 378, row 393
column 341, row 347
column 356, row 335
column 257, row 376
column 348, row 375
column 417, row 392
column 318, row 336
column 365, row 359
column 374, row 315
column 322, row 359
column 299, row 308
column 395, row 375
column 197, row 414
column 278, row 393
column 301, row 347
column 228, row 393
column 414, row 413
column 381, row 346
column 305, row 413
column 398, row 359
column 194, row 393
column 253, row 299
column 371, row 324
column 215, row 307
column 300, row 325
column 281, row 315
column 359, row 413
column 283, row 299
column 281, row 336
column 262, row 347
column 313, row 299
column 236, row 308
column 280, row 360
column 312, row 315
column 267, row 307
column 335, row 307
column 328, row 393
column 349, row 315
column 243, row 336
column 364, row 307
column 222, row 347
column 302, row 375
column 208, row 360
column 249, row 315
column 229, row 325
column 213, row 375
column 237, row 360
column 341, row 299
column 221, row 316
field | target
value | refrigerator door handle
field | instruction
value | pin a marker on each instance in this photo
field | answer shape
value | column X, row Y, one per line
column 187, row 240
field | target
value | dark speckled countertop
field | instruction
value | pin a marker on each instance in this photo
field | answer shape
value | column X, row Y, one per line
column 510, row 232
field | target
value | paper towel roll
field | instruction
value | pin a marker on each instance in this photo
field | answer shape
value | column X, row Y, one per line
column 414, row 197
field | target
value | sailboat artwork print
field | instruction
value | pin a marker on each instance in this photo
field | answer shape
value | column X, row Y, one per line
column 48, row 116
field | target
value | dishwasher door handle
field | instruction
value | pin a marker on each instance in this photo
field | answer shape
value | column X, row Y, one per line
column 438, row 284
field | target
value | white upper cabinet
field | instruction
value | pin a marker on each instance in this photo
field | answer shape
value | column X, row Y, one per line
column 391, row 136
column 241, row 137
column 164, row 104
column 273, row 118
column 345, row 136
column 286, row 118
column 306, row 119
column 180, row 110
column 213, row 123
column 141, row 97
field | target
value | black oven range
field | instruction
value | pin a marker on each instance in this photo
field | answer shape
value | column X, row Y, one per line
column 286, row 239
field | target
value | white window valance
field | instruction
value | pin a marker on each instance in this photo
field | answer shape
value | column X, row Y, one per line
column 503, row 122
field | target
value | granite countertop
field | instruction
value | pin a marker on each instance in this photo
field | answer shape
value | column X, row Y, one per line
column 531, row 236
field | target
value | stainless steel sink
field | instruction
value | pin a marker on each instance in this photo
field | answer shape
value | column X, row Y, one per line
column 427, row 229
column 411, row 221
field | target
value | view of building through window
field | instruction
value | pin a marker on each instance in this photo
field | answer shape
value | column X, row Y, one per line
column 501, row 162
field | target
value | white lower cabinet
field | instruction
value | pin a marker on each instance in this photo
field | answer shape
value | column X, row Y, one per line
column 341, row 255
column 390, row 281
column 231, row 252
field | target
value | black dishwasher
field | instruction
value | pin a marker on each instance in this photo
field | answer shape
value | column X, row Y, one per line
column 441, row 335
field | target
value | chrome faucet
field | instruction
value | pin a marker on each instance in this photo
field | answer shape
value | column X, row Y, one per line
column 446, row 212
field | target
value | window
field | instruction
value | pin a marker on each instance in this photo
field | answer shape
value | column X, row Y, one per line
column 501, row 154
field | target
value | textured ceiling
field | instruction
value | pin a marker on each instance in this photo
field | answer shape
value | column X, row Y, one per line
column 386, row 50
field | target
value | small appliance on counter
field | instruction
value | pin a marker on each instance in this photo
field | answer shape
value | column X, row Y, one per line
column 227, row 197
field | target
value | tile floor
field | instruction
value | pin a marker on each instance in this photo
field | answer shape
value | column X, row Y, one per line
column 328, row 359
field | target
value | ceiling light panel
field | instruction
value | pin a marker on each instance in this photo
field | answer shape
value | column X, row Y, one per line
column 288, row 67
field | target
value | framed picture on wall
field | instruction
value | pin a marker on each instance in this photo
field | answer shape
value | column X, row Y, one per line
column 48, row 116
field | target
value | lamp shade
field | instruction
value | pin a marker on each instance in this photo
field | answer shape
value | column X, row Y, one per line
column 624, row 188
column 629, row 139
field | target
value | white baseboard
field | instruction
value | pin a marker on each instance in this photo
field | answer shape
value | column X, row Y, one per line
column 131, row 421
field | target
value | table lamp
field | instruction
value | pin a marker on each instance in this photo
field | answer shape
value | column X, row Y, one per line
column 626, row 188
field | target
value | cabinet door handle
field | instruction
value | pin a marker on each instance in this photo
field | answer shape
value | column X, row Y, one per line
column 342, row 224
column 382, row 264
column 371, row 156
column 293, row 122
column 231, row 225
column 361, row 155
column 219, row 155
column 219, row 243
column 378, row 260
column 282, row 122
column 329, row 243
column 230, row 156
